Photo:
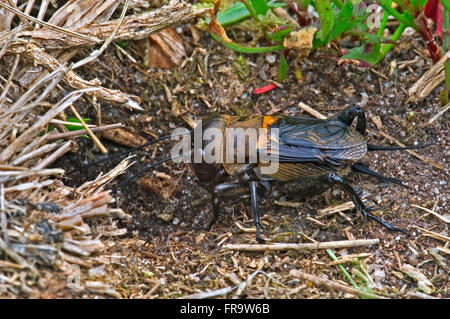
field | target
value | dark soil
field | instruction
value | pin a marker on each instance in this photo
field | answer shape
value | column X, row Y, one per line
column 183, row 260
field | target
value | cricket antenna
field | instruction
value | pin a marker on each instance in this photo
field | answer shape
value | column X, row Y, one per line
column 148, row 168
column 371, row 147
column 186, row 132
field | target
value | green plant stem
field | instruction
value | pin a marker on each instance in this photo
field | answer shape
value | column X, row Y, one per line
column 251, row 9
column 397, row 15
column 384, row 21
column 388, row 47
column 242, row 49
column 338, row 3
column 346, row 274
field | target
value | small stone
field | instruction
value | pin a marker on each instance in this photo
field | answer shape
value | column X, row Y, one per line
column 271, row 58
column 166, row 217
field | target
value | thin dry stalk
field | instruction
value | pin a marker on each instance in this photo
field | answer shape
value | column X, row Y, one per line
column 76, row 133
column 311, row 246
column 443, row 218
column 97, row 142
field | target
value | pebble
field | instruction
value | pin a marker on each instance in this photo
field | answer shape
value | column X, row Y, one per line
column 271, row 58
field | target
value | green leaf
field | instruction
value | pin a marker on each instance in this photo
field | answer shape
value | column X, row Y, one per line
column 358, row 54
column 326, row 17
column 242, row 49
column 75, row 127
column 282, row 69
column 340, row 25
column 233, row 14
column 279, row 35
column 238, row 12
column 260, row 6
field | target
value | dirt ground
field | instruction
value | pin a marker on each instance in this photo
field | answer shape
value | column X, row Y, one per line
column 165, row 255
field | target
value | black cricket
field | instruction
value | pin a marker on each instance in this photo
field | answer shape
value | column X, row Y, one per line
column 314, row 155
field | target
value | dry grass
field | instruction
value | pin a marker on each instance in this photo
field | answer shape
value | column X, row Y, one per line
column 42, row 221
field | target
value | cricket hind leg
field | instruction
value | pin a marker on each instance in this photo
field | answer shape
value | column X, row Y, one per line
column 365, row 170
column 334, row 179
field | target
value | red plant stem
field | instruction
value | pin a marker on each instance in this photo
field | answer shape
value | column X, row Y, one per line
column 301, row 19
column 264, row 89
column 427, row 36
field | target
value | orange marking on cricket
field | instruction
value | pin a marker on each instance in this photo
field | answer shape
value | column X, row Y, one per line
column 268, row 121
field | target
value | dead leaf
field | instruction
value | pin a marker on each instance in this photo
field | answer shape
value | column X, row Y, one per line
column 300, row 41
column 163, row 50
column 422, row 281
column 123, row 137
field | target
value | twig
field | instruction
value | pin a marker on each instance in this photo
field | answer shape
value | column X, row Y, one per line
column 9, row 83
column 444, row 219
column 36, row 153
column 439, row 114
column 89, row 131
column 40, row 57
column 432, row 234
column 54, row 156
column 334, row 285
column 58, row 136
column 311, row 246
column 334, row 209
column 311, row 111
column 210, row 294
column 30, row 185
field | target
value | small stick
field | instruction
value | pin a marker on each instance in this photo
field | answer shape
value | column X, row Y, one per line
column 334, row 285
column 439, row 114
column 444, row 219
column 210, row 294
column 89, row 131
column 54, row 156
column 432, row 234
column 310, row 246
column 335, row 209
column 82, row 132
column 311, row 111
